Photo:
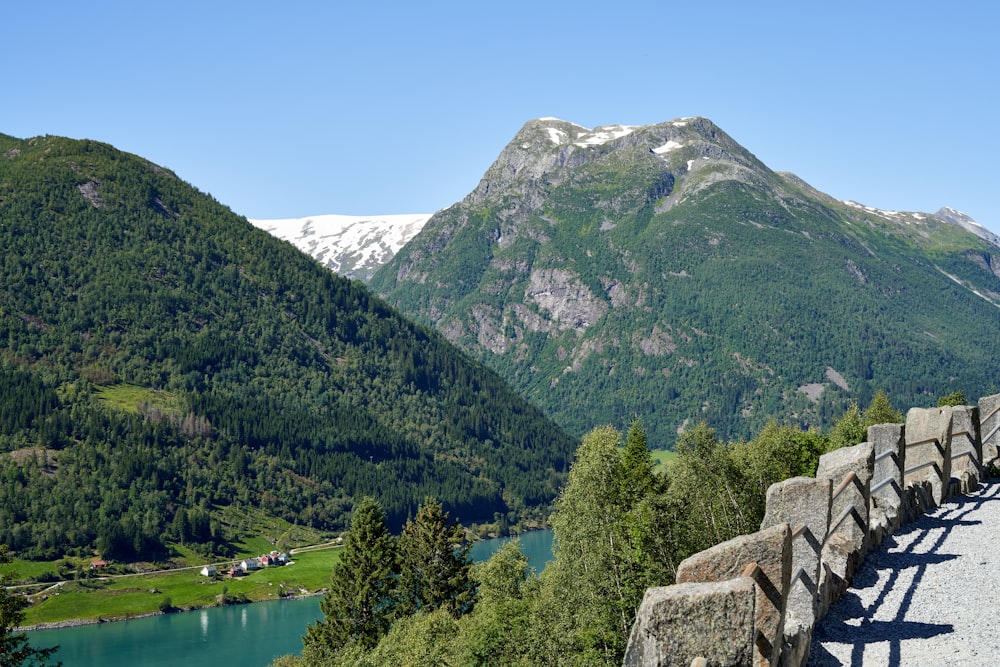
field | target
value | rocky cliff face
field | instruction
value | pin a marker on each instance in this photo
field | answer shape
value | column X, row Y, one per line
column 663, row 270
column 548, row 154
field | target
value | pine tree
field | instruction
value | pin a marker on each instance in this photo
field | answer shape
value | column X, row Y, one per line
column 880, row 411
column 358, row 606
column 849, row 430
column 637, row 463
column 435, row 565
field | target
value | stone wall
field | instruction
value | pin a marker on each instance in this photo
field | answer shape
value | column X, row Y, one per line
column 755, row 600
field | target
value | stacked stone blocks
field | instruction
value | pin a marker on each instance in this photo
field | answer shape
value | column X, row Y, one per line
column 755, row 600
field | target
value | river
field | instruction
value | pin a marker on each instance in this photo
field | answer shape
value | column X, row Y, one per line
column 249, row 635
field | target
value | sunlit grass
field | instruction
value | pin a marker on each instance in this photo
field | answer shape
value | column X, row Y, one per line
column 128, row 397
column 124, row 597
column 26, row 570
column 663, row 457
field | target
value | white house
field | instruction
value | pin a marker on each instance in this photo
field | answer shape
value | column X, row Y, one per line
column 208, row 571
column 250, row 564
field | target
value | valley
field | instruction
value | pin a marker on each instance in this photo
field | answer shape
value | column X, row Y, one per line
column 623, row 270
column 180, row 387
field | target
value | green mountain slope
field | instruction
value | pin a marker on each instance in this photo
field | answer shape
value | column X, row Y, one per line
column 160, row 357
column 664, row 271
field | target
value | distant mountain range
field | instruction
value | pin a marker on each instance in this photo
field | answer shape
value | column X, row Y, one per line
column 664, row 271
column 353, row 246
column 357, row 246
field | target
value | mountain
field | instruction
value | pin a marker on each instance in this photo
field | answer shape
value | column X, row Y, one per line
column 664, row 271
column 165, row 365
column 353, row 246
column 966, row 222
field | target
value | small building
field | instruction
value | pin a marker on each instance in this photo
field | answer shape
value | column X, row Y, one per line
column 273, row 559
column 250, row 564
column 209, row 571
column 97, row 564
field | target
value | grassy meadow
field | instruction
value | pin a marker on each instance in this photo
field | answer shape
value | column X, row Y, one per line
column 662, row 457
column 125, row 596
column 66, row 589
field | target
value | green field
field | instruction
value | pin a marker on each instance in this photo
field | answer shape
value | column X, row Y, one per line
column 130, row 398
column 662, row 458
column 254, row 531
column 127, row 596
column 64, row 589
column 27, row 570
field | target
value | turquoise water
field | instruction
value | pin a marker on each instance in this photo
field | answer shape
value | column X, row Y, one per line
column 246, row 635
column 250, row 635
column 536, row 545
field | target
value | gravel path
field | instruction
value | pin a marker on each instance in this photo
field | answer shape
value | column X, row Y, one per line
column 926, row 596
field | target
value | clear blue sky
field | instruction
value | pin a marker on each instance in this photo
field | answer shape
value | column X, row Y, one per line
column 307, row 107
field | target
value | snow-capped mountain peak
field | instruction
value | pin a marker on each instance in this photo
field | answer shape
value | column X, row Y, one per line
column 966, row 222
column 352, row 245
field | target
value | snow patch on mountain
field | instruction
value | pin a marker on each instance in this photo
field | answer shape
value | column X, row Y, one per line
column 944, row 214
column 603, row 135
column 879, row 212
column 966, row 222
column 557, row 136
column 582, row 136
column 353, row 246
column 667, row 147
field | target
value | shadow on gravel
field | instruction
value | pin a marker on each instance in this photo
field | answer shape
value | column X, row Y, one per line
column 849, row 622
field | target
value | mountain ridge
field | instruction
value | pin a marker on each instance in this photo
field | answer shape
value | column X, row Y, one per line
column 357, row 246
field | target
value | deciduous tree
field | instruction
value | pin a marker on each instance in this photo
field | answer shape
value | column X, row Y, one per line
column 14, row 648
column 499, row 630
column 587, row 581
column 954, row 398
column 850, row 429
column 707, row 478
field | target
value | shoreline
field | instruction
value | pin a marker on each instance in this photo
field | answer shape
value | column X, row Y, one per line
column 79, row 622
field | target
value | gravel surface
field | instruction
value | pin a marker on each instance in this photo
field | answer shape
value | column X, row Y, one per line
column 926, row 596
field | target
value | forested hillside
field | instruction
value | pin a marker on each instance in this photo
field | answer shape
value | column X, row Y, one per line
column 664, row 271
column 160, row 358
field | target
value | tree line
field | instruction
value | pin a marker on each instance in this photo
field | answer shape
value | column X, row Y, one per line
column 620, row 527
